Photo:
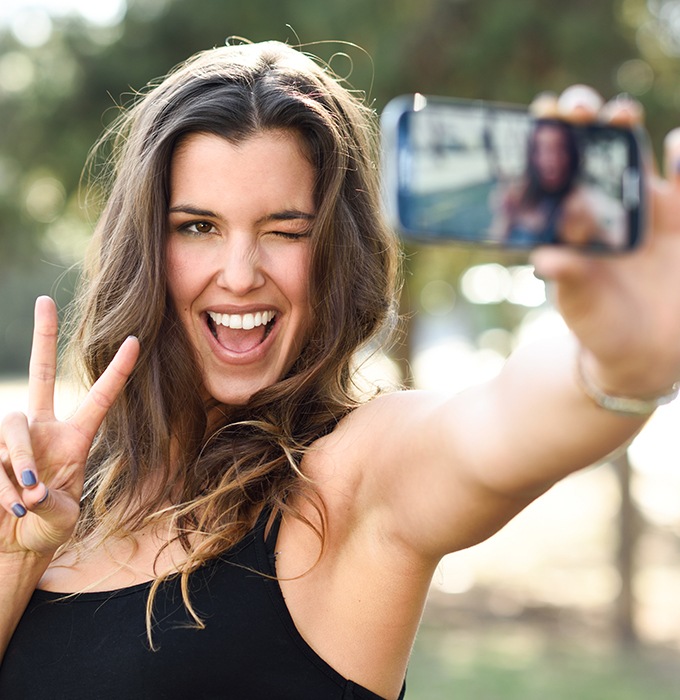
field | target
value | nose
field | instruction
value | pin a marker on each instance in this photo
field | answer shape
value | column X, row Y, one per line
column 239, row 266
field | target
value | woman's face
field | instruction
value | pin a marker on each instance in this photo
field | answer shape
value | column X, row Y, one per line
column 238, row 253
column 551, row 157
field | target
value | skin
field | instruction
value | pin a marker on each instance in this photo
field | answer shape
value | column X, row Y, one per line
column 551, row 158
column 239, row 242
column 406, row 477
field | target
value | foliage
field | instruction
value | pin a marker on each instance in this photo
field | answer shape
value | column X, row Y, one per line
column 501, row 663
column 56, row 98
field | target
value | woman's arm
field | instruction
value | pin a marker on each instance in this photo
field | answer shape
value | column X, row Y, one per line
column 42, row 463
column 446, row 472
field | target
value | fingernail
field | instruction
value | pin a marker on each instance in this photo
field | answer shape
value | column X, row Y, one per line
column 28, row 477
column 44, row 498
column 18, row 510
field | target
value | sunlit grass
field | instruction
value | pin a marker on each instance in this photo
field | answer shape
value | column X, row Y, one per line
column 497, row 663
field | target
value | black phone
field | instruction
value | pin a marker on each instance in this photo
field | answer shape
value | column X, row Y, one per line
column 493, row 174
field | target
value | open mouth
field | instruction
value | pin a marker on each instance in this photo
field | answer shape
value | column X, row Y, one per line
column 241, row 333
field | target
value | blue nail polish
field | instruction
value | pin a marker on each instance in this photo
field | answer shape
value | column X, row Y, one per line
column 18, row 510
column 28, row 477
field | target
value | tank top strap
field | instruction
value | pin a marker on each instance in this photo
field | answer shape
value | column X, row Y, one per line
column 269, row 536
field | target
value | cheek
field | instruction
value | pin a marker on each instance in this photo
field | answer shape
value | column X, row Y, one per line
column 305, row 307
column 181, row 276
column 289, row 270
column 300, row 286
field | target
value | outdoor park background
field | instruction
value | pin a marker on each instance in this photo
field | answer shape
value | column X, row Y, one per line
column 578, row 598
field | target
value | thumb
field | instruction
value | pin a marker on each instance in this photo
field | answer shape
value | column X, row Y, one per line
column 38, row 499
column 562, row 265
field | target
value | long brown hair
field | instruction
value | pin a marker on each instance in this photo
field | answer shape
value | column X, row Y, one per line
column 157, row 434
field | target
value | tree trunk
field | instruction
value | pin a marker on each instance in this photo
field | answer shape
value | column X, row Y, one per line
column 629, row 532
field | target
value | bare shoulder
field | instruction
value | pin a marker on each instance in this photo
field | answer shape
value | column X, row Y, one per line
column 403, row 470
column 380, row 412
column 357, row 468
column 367, row 433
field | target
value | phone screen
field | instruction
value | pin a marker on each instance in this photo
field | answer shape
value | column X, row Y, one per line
column 492, row 174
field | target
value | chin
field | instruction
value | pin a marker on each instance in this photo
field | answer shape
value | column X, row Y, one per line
column 235, row 396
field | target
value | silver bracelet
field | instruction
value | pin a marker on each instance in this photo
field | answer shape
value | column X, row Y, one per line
column 623, row 405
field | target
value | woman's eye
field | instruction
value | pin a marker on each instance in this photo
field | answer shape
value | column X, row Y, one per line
column 292, row 236
column 200, row 228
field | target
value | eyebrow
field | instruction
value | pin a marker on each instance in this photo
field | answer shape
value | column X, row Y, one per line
column 286, row 215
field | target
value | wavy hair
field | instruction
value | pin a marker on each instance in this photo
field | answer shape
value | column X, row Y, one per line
column 217, row 478
column 535, row 191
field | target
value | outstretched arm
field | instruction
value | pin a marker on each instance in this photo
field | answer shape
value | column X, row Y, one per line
column 43, row 462
column 451, row 470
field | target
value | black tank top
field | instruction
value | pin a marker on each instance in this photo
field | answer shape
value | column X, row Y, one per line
column 93, row 646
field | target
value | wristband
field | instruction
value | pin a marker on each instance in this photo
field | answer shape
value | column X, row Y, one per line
column 623, row 405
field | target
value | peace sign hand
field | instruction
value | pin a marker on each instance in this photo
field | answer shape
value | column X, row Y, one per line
column 43, row 459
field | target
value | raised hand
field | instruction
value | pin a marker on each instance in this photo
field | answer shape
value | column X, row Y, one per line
column 43, row 459
column 625, row 309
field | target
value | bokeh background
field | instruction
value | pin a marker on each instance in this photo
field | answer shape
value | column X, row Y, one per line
column 578, row 597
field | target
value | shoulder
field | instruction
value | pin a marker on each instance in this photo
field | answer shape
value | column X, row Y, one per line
column 371, row 421
column 368, row 444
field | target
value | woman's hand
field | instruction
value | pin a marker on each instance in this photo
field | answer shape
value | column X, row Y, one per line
column 624, row 309
column 42, row 458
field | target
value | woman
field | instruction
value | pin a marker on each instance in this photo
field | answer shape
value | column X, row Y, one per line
column 549, row 204
column 248, row 527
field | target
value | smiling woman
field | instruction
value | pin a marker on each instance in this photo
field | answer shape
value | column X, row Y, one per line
column 227, row 513
column 238, row 276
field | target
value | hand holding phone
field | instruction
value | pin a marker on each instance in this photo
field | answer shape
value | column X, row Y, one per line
column 493, row 174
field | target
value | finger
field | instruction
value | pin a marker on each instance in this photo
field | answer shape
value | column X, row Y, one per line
column 105, row 390
column 39, row 500
column 544, row 106
column 43, row 363
column 563, row 264
column 9, row 498
column 623, row 111
column 18, row 450
column 579, row 104
column 10, row 501
column 672, row 157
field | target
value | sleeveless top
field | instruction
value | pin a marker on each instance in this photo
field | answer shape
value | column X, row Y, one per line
column 93, row 646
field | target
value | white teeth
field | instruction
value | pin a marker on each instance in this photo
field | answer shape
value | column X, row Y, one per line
column 245, row 321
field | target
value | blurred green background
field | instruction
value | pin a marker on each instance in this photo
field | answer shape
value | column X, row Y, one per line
column 575, row 599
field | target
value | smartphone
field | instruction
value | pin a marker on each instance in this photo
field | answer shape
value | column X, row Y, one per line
column 493, row 174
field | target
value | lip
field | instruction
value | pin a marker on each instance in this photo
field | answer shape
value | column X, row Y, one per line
column 258, row 353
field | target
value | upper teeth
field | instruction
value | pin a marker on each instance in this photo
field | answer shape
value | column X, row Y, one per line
column 245, row 321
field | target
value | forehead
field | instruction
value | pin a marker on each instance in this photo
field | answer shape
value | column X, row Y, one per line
column 551, row 133
column 268, row 164
column 269, row 142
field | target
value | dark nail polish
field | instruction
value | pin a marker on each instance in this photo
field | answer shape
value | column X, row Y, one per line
column 44, row 498
column 28, row 477
column 18, row 510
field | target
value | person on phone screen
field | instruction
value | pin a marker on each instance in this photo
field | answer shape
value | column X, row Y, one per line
column 225, row 515
column 551, row 203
